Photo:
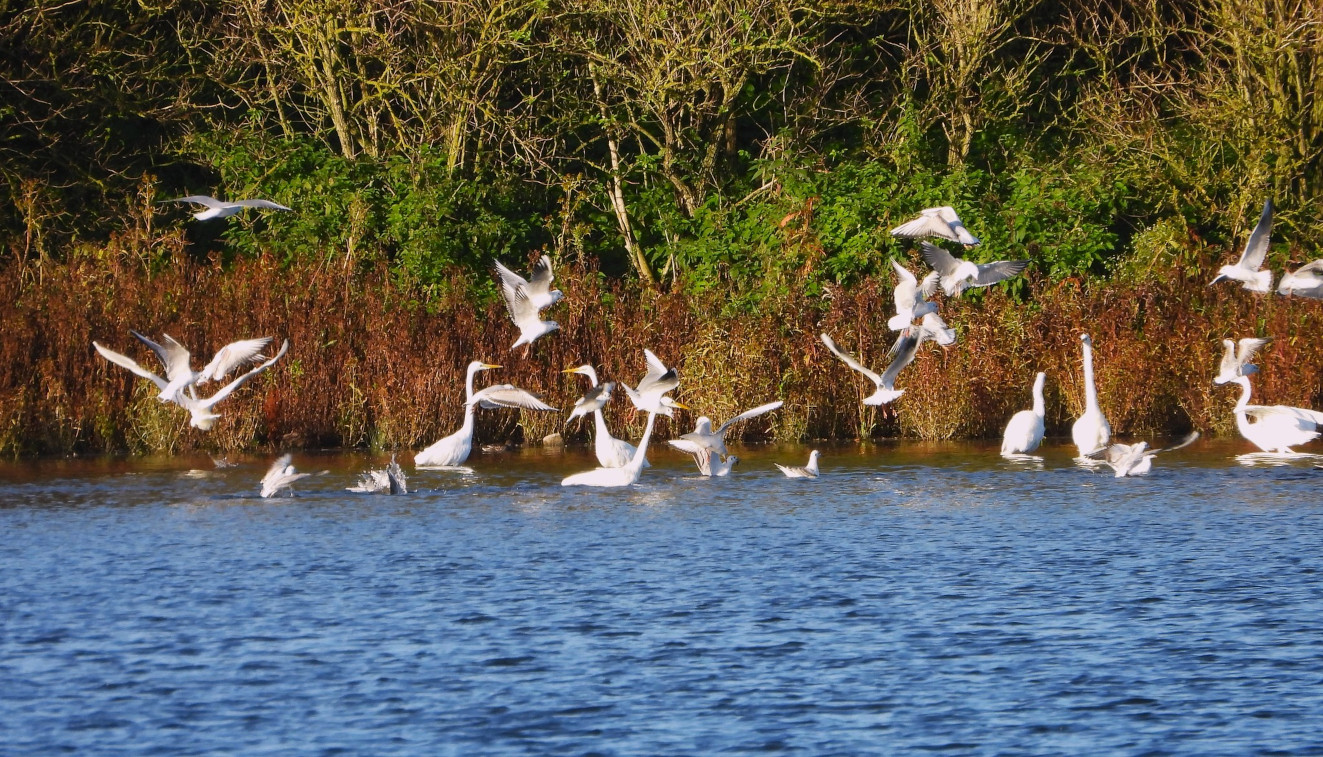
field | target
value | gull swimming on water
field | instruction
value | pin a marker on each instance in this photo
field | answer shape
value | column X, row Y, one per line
column 911, row 297
column 199, row 408
column 281, row 475
column 1025, row 431
column 649, row 396
column 1246, row 270
column 1137, row 459
column 625, row 475
column 222, row 209
column 178, row 362
column 453, row 450
column 808, row 471
column 611, row 452
column 937, row 222
column 391, row 480
column 958, row 274
column 1306, row 281
column 526, row 299
column 1091, row 431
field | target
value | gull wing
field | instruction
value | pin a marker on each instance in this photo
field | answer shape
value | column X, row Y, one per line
column 517, row 303
column 962, row 235
column 173, row 355
column 1248, row 347
column 207, row 200
column 933, row 327
column 1229, row 364
column 928, row 287
column 229, row 388
column 509, row 278
column 991, row 273
column 942, row 261
column 277, row 469
column 905, row 349
column 929, row 224
column 260, row 204
column 904, row 275
column 658, row 375
column 850, row 360
column 233, row 355
column 1189, row 439
column 702, row 455
column 747, row 414
column 1314, row 268
column 1257, row 245
column 542, row 276
column 507, row 395
column 125, row 361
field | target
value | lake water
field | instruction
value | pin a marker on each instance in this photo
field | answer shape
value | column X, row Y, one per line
column 916, row 598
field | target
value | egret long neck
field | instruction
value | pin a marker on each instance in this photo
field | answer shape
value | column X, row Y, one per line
column 1040, row 409
column 1090, row 391
column 467, row 428
column 642, row 451
column 468, row 384
column 600, row 424
column 1242, row 422
column 591, row 373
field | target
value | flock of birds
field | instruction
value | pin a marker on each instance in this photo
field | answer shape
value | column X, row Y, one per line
column 1274, row 429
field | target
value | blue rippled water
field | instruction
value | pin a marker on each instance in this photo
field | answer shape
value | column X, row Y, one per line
column 914, row 599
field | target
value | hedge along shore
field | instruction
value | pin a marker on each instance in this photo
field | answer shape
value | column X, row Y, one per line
column 379, row 363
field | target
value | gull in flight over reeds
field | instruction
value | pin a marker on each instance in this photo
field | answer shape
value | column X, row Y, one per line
column 1091, row 431
column 625, row 475
column 525, row 299
column 222, row 209
column 911, row 297
column 453, row 450
column 281, row 476
column 1246, row 270
column 958, row 274
column 1025, row 431
column 178, row 362
column 807, row 471
column 1306, row 281
column 199, row 408
column 704, row 438
column 1276, row 428
column 904, row 350
column 1137, row 459
column 611, row 452
column 390, row 480
column 650, row 394
column 937, row 222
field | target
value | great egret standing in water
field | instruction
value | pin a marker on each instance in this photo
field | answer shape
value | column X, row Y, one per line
column 611, row 452
column 1025, row 431
column 625, row 475
column 1091, row 431
column 453, row 450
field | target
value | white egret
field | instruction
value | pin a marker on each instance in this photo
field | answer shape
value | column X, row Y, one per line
column 625, row 475
column 704, row 437
column 1306, row 281
column 1277, row 428
column 222, row 209
column 280, row 476
column 808, row 471
column 178, row 362
column 1091, row 431
column 611, row 452
column 911, row 297
column 937, row 222
column 1246, row 270
column 200, row 409
column 453, row 450
column 958, row 274
column 1137, row 459
column 1025, row 431
column 391, row 480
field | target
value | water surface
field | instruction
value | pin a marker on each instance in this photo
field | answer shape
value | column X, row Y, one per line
column 916, row 598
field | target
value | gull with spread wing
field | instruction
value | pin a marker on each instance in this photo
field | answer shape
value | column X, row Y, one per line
column 1137, row 459
column 526, row 299
column 281, row 476
column 911, row 297
column 178, row 362
column 611, row 452
column 391, row 480
column 937, row 222
column 1246, row 270
column 1236, row 357
column 650, row 394
column 958, row 274
column 704, row 438
column 1276, row 428
column 222, row 209
column 1306, row 281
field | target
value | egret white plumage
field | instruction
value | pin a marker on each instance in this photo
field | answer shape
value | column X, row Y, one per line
column 1246, row 270
column 1025, row 431
column 1137, row 459
column 626, row 474
column 911, row 297
column 611, row 452
column 958, row 274
column 1305, row 281
column 178, row 362
column 200, row 409
column 454, row 449
column 1277, row 428
column 937, row 222
column 281, row 476
column 807, row 471
column 223, row 209
column 1091, row 431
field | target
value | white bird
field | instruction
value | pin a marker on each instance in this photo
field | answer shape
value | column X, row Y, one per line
column 1091, row 431
column 625, row 475
column 391, row 480
column 1025, row 431
column 1236, row 359
column 704, row 438
column 281, row 475
column 930, row 328
column 937, row 222
column 1277, row 428
column 649, row 396
column 1306, row 281
column 958, row 274
column 1246, row 270
column 222, row 209
column 525, row 299
column 1137, row 459
column 200, row 409
column 611, row 452
column 905, row 349
column 911, row 297
column 454, row 449
column 178, row 362
column 808, row 471
column 718, row 467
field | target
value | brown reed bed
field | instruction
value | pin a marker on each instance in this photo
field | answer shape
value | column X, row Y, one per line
column 380, row 363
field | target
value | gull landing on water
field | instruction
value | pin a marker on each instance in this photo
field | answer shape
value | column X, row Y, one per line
column 281, row 476
column 391, row 480
column 937, row 222
column 808, row 471
column 703, row 439
column 1137, row 459
column 222, row 209
column 1246, row 270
